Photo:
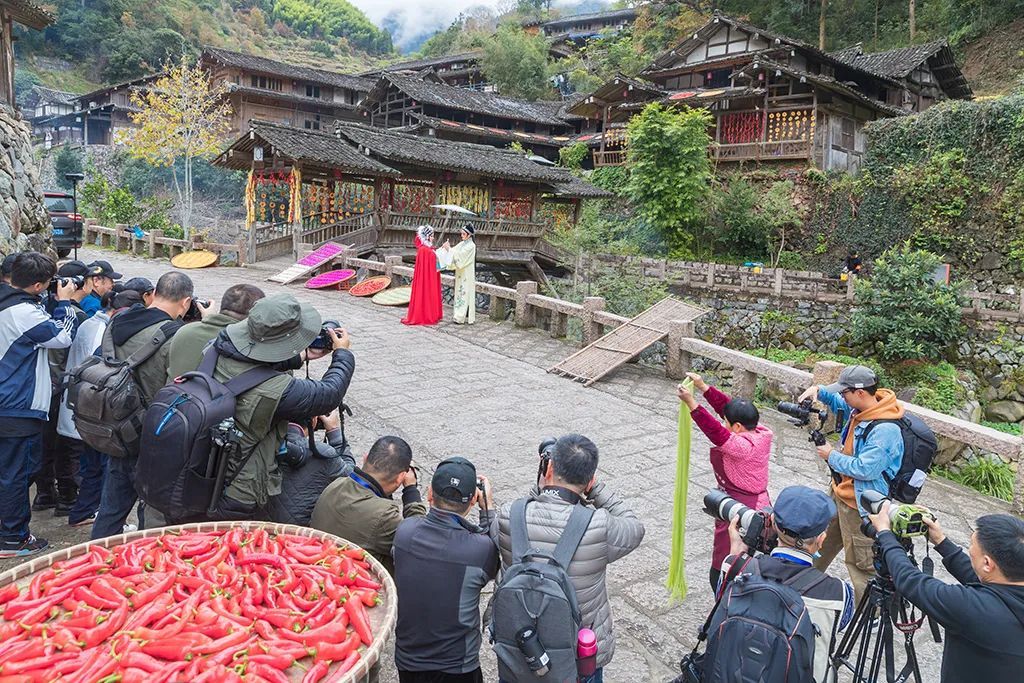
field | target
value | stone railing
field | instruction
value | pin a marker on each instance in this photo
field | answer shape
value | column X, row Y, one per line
column 789, row 284
column 535, row 310
column 154, row 243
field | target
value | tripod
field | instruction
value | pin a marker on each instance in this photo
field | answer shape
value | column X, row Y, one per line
column 874, row 643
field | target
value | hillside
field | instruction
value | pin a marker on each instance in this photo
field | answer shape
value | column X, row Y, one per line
column 103, row 41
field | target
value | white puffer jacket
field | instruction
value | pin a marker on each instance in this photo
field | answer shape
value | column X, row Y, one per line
column 613, row 533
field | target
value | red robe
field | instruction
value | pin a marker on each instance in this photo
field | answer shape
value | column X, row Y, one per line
column 425, row 302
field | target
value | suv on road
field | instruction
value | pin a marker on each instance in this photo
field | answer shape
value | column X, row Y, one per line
column 67, row 225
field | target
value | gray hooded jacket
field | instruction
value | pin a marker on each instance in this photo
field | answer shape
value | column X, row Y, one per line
column 614, row 532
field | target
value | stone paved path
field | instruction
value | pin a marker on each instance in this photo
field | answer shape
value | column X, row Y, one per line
column 482, row 392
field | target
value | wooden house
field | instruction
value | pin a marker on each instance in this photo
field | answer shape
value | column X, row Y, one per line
column 40, row 106
column 775, row 98
column 301, row 96
column 460, row 70
column 26, row 13
column 371, row 187
column 425, row 104
column 99, row 116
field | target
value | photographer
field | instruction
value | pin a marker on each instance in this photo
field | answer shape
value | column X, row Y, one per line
column 308, row 471
column 188, row 345
column 740, row 451
column 26, row 333
column 568, row 477
column 442, row 562
column 869, row 457
column 277, row 329
column 56, row 482
column 984, row 615
column 801, row 518
column 102, row 278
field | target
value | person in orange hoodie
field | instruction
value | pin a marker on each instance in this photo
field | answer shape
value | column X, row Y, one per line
column 866, row 460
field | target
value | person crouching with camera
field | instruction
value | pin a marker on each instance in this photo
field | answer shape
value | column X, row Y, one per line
column 740, row 450
column 868, row 458
column 984, row 615
column 801, row 519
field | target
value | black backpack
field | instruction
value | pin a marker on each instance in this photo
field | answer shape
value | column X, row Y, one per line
column 190, row 447
column 919, row 449
column 758, row 631
column 105, row 398
column 535, row 607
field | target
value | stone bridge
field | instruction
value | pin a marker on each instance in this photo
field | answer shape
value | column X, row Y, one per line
column 482, row 392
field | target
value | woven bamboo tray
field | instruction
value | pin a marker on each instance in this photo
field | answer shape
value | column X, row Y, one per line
column 382, row 617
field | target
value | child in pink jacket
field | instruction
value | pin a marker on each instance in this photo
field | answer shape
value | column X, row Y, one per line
column 739, row 455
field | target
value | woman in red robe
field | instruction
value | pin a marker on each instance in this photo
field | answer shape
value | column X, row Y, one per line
column 425, row 301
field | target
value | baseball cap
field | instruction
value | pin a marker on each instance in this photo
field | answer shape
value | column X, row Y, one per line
column 854, row 377
column 73, row 269
column 803, row 512
column 103, row 268
column 141, row 285
column 454, row 480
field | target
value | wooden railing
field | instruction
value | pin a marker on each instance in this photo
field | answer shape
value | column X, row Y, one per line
column 532, row 310
column 318, row 233
column 154, row 243
column 783, row 149
column 615, row 157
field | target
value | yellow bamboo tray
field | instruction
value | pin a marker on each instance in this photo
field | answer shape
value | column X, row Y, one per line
column 396, row 296
column 194, row 259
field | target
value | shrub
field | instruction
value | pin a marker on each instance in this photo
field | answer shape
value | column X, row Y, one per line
column 987, row 476
column 66, row 161
column 902, row 312
column 572, row 156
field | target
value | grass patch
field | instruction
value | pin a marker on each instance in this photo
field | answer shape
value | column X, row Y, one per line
column 937, row 386
column 986, row 476
column 1013, row 428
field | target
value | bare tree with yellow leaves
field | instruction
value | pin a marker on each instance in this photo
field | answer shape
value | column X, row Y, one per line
column 181, row 116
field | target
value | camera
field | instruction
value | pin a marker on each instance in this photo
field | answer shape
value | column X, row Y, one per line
column 907, row 521
column 545, row 451
column 756, row 525
column 193, row 313
column 325, row 340
column 77, row 280
column 802, row 413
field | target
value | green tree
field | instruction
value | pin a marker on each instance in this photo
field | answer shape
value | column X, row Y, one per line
column 669, row 179
column 516, row 62
column 903, row 312
column 65, row 161
column 572, row 156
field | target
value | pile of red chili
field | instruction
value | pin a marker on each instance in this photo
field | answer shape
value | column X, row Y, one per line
column 194, row 606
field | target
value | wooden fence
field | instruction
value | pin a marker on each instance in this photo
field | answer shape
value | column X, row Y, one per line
column 806, row 285
column 534, row 310
column 154, row 243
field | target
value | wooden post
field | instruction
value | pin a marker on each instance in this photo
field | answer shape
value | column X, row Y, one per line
column 524, row 313
column 591, row 330
column 678, row 362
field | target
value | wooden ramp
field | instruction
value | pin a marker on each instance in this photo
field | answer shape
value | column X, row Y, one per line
column 308, row 263
column 626, row 341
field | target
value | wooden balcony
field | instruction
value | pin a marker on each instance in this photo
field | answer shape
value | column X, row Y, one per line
column 611, row 158
column 762, row 151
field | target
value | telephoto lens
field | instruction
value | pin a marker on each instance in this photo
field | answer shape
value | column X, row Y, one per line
column 324, row 340
column 533, row 650
column 719, row 504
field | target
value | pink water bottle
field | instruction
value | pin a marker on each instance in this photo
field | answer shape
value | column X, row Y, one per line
column 586, row 652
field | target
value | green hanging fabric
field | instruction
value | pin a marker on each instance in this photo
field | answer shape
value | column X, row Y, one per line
column 676, row 583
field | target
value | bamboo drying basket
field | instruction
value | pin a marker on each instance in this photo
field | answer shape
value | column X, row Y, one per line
column 382, row 617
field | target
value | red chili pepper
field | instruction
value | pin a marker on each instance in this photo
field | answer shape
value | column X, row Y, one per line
column 134, row 675
column 140, row 660
column 41, row 662
column 370, row 598
column 337, row 652
column 363, row 582
column 360, row 622
column 176, row 647
column 354, row 553
column 318, row 671
column 277, row 661
column 349, row 662
column 8, row 593
column 263, row 558
column 108, row 628
column 269, row 673
column 93, row 599
column 160, row 586
column 314, row 637
column 227, row 642
column 18, row 678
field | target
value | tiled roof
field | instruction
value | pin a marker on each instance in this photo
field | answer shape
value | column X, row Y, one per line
column 317, row 147
column 488, row 104
column 834, row 85
column 44, row 94
column 622, row 14
column 29, row 13
column 141, row 80
column 491, row 132
column 392, row 147
column 417, row 64
column 290, row 97
column 575, row 186
column 895, row 63
column 283, row 69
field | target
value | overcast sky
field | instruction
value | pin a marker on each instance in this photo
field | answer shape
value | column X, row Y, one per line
column 417, row 17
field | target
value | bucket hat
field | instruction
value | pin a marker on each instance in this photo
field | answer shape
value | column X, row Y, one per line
column 278, row 328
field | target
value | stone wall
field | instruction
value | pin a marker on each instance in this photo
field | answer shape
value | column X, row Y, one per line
column 24, row 223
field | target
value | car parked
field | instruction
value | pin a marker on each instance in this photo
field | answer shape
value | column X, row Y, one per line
column 67, row 225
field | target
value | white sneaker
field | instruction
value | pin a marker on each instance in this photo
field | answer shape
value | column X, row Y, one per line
column 128, row 528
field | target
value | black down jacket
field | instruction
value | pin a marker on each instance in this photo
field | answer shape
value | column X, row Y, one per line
column 302, row 485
